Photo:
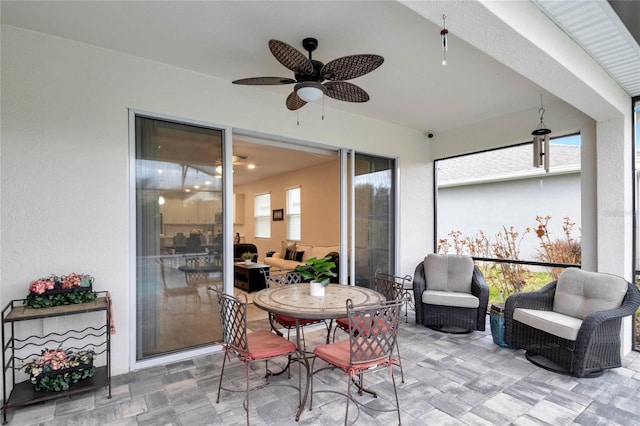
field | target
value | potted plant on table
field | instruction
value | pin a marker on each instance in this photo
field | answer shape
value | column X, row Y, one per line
column 319, row 271
column 247, row 257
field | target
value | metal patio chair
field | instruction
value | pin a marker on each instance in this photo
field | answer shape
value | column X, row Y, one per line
column 373, row 330
column 261, row 345
column 392, row 288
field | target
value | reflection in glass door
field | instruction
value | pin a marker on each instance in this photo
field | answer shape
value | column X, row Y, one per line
column 178, row 235
column 374, row 210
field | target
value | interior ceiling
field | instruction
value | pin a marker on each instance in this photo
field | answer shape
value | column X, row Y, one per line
column 228, row 40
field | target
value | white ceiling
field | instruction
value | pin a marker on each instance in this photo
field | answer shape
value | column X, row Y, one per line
column 228, row 40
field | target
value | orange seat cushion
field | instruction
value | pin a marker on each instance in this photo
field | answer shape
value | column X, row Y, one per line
column 343, row 323
column 290, row 322
column 265, row 344
column 339, row 355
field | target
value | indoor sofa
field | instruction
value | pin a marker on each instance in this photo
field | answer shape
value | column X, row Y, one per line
column 293, row 254
column 241, row 248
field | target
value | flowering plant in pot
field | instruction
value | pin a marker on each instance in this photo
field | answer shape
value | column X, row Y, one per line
column 56, row 369
column 319, row 271
column 65, row 290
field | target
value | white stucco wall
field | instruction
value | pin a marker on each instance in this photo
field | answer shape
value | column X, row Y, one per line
column 65, row 158
column 65, row 148
column 491, row 206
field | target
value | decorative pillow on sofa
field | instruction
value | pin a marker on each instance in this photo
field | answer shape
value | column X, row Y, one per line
column 293, row 255
column 307, row 249
column 287, row 245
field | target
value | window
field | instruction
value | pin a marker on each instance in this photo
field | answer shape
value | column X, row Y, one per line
column 262, row 216
column 495, row 205
column 293, row 214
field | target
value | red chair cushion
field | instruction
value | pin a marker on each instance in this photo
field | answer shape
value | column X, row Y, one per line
column 290, row 322
column 265, row 344
column 338, row 354
column 343, row 323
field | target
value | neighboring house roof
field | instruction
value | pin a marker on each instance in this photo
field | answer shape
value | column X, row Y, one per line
column 508, row 163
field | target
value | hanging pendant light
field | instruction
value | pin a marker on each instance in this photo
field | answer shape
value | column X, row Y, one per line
column 541, row 142
column 443, row 36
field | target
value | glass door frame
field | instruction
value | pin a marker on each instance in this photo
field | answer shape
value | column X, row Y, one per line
column 348, row 212
column 347, row 219
column 227, row 223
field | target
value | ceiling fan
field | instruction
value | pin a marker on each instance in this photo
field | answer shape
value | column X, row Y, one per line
column 236, row 160
column 313, row 79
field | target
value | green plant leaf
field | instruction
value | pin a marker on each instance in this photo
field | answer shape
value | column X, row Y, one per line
column 317, row 269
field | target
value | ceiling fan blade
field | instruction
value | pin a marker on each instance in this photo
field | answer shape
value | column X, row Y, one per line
column 349, row 67
column 267, row 81
column 294, row 102
column 343, row 91
column 290, row 57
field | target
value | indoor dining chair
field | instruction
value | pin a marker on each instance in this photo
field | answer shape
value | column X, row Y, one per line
column 261, row 345
column 373, row 330
column 173, row 292
column 199, row 270
column 392, row 288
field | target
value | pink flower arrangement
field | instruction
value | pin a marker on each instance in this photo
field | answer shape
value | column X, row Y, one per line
column 42, row 285
column 65, row 290
column 56, row 369
column 57, row 358
column 71, row 280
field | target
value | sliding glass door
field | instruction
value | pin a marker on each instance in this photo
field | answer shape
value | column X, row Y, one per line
column 184, row 230
column 374, row 207
column 179, row 243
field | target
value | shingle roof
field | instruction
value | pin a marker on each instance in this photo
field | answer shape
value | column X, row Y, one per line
column 503, row 161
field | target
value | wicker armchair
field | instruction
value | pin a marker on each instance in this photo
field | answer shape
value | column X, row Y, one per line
column 455, row 310
column 583, row 344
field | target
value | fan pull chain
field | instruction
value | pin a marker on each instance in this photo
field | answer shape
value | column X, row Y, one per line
column 323, row 108
column 298, row 116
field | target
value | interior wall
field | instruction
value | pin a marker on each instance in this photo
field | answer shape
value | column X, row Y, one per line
column 65, row 159
column 320, row 206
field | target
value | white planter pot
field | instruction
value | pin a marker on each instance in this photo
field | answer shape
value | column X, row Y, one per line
column 316, row 289
column 247, row 261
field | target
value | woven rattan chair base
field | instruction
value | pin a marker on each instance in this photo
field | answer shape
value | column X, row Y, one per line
column 547, row 364
column 450, row 329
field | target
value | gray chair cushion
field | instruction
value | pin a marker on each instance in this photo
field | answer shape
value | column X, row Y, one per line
column 448, row 272
column 450, row 298
column 563, row 326
column 580, row 293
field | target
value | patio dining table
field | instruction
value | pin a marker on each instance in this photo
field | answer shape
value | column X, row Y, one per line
column 296, row 301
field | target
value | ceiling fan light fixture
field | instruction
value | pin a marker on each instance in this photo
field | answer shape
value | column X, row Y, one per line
column 313, row 78
column 309, row 92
